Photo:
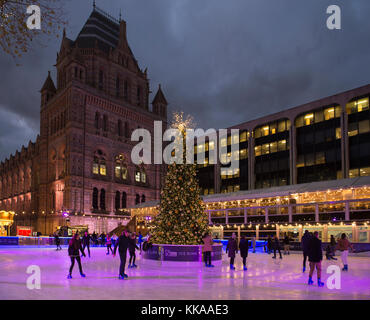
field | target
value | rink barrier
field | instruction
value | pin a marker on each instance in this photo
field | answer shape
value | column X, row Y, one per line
column 181, row 253
column 33, row 241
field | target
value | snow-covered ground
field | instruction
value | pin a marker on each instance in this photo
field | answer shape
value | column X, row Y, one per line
column 266, row 278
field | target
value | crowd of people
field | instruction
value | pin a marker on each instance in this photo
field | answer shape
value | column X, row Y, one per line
column 129, row 243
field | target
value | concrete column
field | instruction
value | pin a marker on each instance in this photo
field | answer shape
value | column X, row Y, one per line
column 266, row 215
column 300, row 232
column 251, row 177
column 277, row 230
column 245, row 216
column 316, row 212
column 238, row 234
column 346, row 211
column 257, row 232
column 325, row 233
column 290, row 213
column 344, row 141
column 227, row 217
column 293, row 152
column 217, row 177
column 354, row 233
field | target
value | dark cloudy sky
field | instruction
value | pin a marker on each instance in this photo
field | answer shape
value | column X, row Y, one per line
column 224, row 62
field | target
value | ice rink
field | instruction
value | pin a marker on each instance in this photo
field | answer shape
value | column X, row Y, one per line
column 266, row 278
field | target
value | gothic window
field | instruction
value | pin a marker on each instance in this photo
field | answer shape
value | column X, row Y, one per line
column 97, row 117
column 142, row 198
column 137, row 199
column 99, row 164
column 117, row 86
column 76, row 72
column 105, row 122
column 137, row 176
column 102, row 199
column 95, row 198
column 140, row 175
column 124, row 200
column 127, row 130
column 119, row 127
column 117, row 200
column 101, row 80
column 121, row 167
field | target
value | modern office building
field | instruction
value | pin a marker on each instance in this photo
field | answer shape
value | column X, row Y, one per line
column 327, row 139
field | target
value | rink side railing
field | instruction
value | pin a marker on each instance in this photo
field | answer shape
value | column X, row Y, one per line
column 33, row 241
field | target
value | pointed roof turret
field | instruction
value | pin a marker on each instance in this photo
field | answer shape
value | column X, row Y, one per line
column 48, row 84
column 159, row 97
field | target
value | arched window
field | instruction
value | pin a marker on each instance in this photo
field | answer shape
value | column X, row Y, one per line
column 125, row 90
column 99, row 164
column 127, row 130
column 117, row 200
column 95, row 198
column 119, row 127
column 117, row 86
column 142, row 198
column 138, row 95
column 101, row 80
column 140, row 175
column 97, row 120
column 120, row 169
column 105, row 122
column 137, row 199
column 102, row 199
column 124, row 200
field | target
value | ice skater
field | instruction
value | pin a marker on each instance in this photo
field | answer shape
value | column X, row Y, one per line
column 57, row 242
column 343, row 246
column 122, row 245
column 286, row 244
column 305, row 241
column 232, row 248
column 74, row 249
column 109, row 244
column 86, row 242
column 269, row 245
column 243, row 248
column 131, row 249
column 254, row 244
column 315, row 258
column 207, row 250
column 140, row 241
column 276, row 247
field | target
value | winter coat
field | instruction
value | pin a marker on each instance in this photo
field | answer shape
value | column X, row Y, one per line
column 314, row 250
column 57, row 240
column 231, row 247
column 207, row 247
column 74, row 248
column 243, row 247
column 269, row 243
column 122, row 244
column 86, row 240
column 286, row 240
column 276, row 243
column 305, row 242
column 344, row 244
column 140, row 239
column 132, row 245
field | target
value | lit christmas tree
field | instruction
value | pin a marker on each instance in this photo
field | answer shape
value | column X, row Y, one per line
column 181, row 218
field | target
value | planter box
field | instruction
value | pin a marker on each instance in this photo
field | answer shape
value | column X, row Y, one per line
column 181, row 253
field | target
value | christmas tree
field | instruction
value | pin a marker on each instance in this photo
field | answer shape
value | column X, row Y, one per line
column 181, row 218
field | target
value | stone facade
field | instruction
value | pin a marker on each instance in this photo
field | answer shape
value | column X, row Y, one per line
column 80, row 164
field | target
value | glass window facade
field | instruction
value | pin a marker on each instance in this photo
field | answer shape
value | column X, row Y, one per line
column 319, row 145
column 271, row 153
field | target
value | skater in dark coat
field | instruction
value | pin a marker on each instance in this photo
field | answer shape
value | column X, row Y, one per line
column 305, row 245
column 74, row 253
column 232, row 249
column 109, row 244
column 131, row 249
column 57, row 242
column 276, row 244
column 86, row 242
column 315, row 258
column 122, row 244
column 243, row 248
column 269, row 245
